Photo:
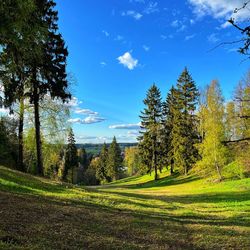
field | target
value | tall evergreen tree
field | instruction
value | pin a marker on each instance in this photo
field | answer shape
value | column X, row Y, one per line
column 49, row 72
column 114, row 163
column 101, row 168
column 150, row 120
column 184, row 132
column 71, row 158
column 168, row 111
column 15, row 29
column 34, row 57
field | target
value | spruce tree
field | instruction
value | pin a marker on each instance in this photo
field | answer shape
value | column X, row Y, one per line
column 168, row 111
column 114, row 163
column 149, row 144
column 184, row 132
column 101, row 168
column 71, row 158
column 33, row 58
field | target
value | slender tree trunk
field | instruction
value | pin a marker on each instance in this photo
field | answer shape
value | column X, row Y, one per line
column 185, row 170
column 38, row 131
column 154, row 160
column 218, row 171
column 20, row 134
column 171, row 167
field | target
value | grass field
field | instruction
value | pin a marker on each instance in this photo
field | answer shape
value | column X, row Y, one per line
column 134, row 213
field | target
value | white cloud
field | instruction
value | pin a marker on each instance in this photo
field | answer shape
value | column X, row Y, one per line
column 105, row 33
column 221, row 9
column 145, row 47
column 88, row 120
column 179, row 25
column 126, row 126
column 85, row 112
column 103, row 63
column 213, row 38
column 128, row 61
column 132, row 13
column 74, row 102
column 152, row 7
column 119, row 38
column 189, row 37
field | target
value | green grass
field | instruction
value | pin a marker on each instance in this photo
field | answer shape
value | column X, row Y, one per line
column 134, row 213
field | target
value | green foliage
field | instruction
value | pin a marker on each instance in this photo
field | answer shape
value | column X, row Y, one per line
column 30, row 160
column 8, row 142
column 102, row 165
column 133, row 162
column 149, row 144
column 114, row 161
column 184, row 133
column 213, row 152
column 71, row 160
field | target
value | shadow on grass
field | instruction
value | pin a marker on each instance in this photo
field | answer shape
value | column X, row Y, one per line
column 175, row 179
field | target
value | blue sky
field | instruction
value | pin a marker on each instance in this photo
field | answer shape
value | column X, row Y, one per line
column 118, row 48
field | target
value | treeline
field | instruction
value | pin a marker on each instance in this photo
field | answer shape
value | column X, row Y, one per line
column 196, row 130
column 34, row 85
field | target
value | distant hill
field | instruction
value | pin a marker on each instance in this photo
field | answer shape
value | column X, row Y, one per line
column 95, row 149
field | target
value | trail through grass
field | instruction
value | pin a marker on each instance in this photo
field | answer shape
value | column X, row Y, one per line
column 134, row 213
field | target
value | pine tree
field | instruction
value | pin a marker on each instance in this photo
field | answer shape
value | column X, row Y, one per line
column 114, row 163
column 49, row 70
column 149, row 144
column 101, row 169
column 15, row 29
column 34, row 58
column 167, row 126
column 184, row 132
column 212, row 150
column 70, row 156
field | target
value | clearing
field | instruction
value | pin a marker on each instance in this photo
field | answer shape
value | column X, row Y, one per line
column 134, row 213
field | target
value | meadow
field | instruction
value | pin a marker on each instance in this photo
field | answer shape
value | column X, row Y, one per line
column 175, row 212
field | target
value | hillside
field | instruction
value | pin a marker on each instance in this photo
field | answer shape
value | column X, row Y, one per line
column 133, row 213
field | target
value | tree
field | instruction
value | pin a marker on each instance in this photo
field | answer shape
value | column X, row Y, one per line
column 101, row 167
column 114, row 163
column 167, row 127
column 70, row 156
column 34, row 58
column 184, row 133
column 14, row 29
column 212, row 150
column 244, row 30
column 8, row 141
column 48, row 73
column 150, row 121
column 132, row 161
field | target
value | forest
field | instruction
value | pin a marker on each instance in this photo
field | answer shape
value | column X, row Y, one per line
column 190, row 161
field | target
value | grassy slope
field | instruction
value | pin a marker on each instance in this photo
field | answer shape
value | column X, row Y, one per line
column 133, row 213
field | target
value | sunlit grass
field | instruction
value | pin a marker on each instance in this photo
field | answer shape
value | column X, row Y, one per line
column 209, row 215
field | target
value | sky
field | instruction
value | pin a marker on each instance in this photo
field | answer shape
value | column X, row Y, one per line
column 119, row 48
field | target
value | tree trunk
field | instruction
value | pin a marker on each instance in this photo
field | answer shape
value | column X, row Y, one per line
column 171, row 167
column 218, row 171
column 38, row 132
column 185, row 170
column 154, row 161
column 72, row 175
column 20, row 134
